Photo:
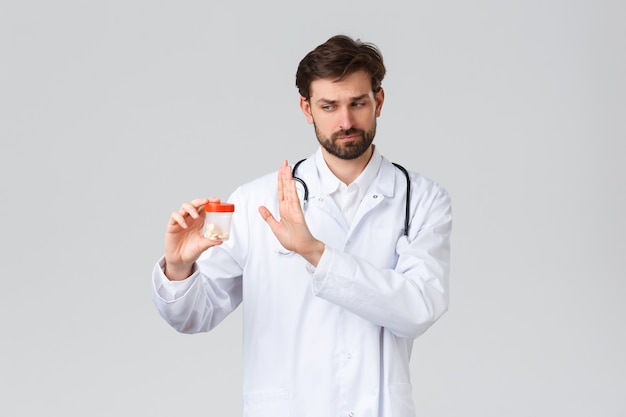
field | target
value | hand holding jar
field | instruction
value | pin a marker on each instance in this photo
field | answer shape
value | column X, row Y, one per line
column 185, row 240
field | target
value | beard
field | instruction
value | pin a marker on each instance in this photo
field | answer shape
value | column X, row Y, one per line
column 347, row 150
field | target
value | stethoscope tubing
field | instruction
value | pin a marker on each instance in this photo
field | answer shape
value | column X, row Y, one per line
column 407, row 201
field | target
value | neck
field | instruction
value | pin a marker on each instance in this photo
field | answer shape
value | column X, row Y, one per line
column 347, row 170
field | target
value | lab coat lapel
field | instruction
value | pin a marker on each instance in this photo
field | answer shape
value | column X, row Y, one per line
column 381, row 188
column 317, row 199
column 327, row 204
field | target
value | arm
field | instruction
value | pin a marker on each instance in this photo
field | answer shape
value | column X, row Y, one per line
column 408, row 299
column 183, row 294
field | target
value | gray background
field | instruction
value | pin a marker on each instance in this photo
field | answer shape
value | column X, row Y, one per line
column 113, row 113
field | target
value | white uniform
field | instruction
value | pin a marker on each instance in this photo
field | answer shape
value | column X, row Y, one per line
column 333, row 340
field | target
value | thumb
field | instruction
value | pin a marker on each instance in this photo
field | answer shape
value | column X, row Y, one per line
column 268, row 217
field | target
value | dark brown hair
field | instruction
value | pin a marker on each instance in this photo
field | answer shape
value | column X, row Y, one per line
column 337, row 58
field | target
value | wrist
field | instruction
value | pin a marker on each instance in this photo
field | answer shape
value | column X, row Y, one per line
column 314, row 252
column 177, row 272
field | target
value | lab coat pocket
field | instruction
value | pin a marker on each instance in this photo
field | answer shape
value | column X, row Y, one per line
column 401, row 400
column 269, row 403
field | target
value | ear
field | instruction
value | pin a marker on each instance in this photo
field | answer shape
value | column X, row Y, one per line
column 380, row 98
column 305, row 105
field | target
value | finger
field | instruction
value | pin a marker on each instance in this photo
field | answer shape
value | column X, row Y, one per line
column 287, row 185
column 177, row 219
column 268, row 217
column 287, row 182
column 189, row 209
column 199, row 202
column 290, row 189
column 281, row 181
column 207, row 243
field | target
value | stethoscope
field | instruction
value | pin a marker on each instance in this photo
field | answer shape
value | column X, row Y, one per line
column 407, row 204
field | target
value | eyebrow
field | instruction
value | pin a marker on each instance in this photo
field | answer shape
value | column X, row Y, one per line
column 326, row 101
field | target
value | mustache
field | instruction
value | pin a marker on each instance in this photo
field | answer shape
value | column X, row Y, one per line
column 348, row 132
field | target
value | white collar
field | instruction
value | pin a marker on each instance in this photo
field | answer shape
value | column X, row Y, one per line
column 330, row 183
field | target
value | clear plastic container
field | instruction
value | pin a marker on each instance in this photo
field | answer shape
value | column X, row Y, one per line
column 217, row 220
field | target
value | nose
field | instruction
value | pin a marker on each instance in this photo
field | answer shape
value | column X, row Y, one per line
column 345, row 119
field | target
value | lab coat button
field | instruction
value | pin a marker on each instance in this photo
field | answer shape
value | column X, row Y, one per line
column 349, row 356
column 347, row 242
column 375, row 196
column 351, row 414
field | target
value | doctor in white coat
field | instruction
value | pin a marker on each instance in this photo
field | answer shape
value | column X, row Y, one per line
column 334, row 292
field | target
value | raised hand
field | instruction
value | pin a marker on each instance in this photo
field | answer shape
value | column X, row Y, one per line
column 291, row 230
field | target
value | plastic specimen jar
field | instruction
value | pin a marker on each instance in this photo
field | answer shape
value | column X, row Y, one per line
column 217, row 220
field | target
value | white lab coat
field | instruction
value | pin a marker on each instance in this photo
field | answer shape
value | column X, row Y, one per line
column 324, row 344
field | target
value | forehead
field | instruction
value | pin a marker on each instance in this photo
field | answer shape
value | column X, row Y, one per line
column 354, row 85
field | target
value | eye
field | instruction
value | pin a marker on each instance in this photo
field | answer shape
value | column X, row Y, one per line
column 358, row 104
column 328, row 107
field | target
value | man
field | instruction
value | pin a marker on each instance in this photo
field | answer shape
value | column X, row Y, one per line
column 334, row 288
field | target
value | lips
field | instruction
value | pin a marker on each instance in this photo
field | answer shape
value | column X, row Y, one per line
column 348, row 138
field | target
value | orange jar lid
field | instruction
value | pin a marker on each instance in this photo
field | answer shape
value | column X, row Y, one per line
column 218, row 206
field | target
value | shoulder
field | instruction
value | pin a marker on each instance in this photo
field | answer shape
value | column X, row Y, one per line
column 422, row 186
column 424, row 182
column 255, row 189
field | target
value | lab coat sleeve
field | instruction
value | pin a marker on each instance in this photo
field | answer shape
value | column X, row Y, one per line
column 214, row 289
column 406, row 300
column 196, row 304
